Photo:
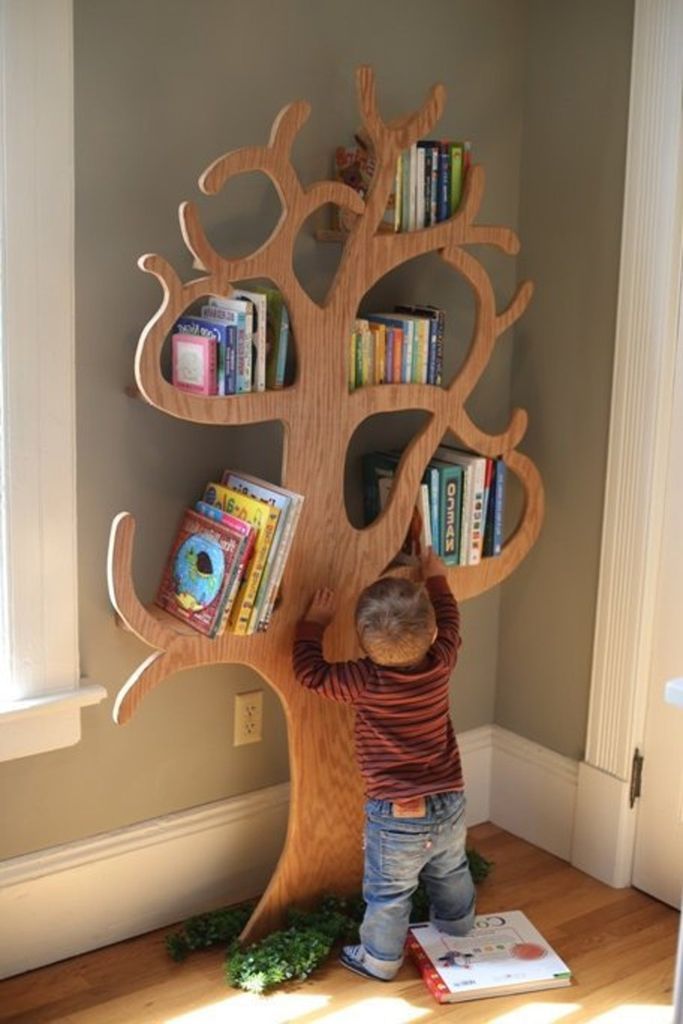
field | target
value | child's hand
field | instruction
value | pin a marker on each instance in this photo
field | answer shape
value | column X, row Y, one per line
column 322, row 607
column 431, row 565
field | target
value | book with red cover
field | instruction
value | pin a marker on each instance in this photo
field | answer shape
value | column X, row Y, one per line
column 200, row 570
column 502, row 954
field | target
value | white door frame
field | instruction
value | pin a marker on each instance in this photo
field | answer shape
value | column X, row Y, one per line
column 640, row 427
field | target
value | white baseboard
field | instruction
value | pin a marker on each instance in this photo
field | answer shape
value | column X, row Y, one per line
column 605, row 852
column 69, row 899
column 475, row 751
column 533, row 792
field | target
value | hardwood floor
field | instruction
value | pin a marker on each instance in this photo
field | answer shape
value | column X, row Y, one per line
column 619, row 943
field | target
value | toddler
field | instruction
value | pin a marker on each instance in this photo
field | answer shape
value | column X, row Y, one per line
column 407, row 753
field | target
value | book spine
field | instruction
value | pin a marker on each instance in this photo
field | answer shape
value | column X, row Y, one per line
column 408, row 339
column 389, row 355
column 434, row 212
column 283, row 345
column 420, row 187
column 405, row 191
column 261, row 341
column 434, row 493
column 230, row 357
column 431, row 351
column 451, row 495
column 241, row 611
column 398, row 188
column 488, row 500
column 398, row 355
column 444, row 182
column 499, row 475
column 477, row 523
column 438, row 357
column 280, row 564
column 427, row 149
column 456, row 176
column 426, row 516
column 242, row 380
column 412, row 215
column 425, row 331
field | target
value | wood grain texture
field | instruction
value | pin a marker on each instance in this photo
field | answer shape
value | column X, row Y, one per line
column 322, row 851
column 619, row 943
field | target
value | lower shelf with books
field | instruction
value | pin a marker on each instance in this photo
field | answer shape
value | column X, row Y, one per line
column 226, row 563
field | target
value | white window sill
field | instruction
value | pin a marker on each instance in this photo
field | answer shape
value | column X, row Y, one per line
column 38, row 724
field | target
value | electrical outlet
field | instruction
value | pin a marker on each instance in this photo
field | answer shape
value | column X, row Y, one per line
column 248, row 717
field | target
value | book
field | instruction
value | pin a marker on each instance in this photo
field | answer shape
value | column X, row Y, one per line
column 240, row 313
column 493, row 531
column 193, row 363
column 200, row 570
column 419, row 536
column 472, row 522
column 502, row 955
column 246, row 531
column 263, row 518
column 259, row 303
column 288, row 504
column 457, row 159
column 450, row 496
column 277, row 337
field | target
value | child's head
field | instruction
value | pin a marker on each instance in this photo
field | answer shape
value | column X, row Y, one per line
column 395, row 621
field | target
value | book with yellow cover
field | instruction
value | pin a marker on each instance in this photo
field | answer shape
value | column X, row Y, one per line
column 264, row 519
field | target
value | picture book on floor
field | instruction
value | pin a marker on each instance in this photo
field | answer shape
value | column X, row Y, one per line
column 502, row 955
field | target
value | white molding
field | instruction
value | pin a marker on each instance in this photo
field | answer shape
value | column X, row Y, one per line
column 69, row 899
column 604, row 827
column 642, row 390
column 533, row 792
column 38, row 724
column 36, row 80
column 39, row 600
column 476, row 747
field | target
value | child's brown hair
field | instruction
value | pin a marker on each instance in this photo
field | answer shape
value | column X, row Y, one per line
column 395, row 621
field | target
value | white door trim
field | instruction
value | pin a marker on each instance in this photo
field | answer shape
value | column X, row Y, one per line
column 640, row 426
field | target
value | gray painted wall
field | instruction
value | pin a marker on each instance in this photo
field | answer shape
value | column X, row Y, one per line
column 573, row 153
column 162, row 88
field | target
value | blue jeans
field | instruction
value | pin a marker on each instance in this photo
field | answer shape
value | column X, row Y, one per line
column 399, row 852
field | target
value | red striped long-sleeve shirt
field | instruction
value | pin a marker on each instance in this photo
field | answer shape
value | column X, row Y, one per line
column 405, row 743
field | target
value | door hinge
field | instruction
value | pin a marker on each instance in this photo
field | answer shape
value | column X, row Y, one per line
column 636, row 776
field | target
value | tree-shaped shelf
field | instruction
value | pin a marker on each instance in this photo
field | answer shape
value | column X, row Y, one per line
column 322, row 852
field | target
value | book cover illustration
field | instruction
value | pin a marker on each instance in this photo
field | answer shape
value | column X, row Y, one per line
column 502, row 954
column 193, row 362
column 199, row 571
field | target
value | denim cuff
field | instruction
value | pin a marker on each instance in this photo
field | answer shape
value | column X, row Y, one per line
column 382, row 968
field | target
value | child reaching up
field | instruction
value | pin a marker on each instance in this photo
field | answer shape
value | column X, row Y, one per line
column 407, row 753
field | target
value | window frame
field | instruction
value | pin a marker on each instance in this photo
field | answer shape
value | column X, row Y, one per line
column 41, row 693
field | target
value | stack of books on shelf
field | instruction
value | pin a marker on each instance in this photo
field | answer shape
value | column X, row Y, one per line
column 232, row 346
column 460, row 507
column 402, row 347
column 428, row 184
column 226, row 564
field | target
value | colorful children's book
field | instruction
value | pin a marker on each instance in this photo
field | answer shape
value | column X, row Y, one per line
column 502, row 955
column 224, row 336
column 472, row 526
column 240, row 313
column 263, row 518
column 277, row 337
column 259, row 303
column 288, row 504
column 199, row 571
column 193, row 363
column 246, row 531
column 451, row 490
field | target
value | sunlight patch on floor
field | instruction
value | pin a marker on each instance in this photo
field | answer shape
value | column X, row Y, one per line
column 384, row 1009
column 537, row 1013
column 633, row 1013
column 276, row 1009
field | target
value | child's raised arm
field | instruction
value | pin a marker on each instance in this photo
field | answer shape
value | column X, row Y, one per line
column 341, row 681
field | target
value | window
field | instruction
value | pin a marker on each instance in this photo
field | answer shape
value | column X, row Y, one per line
column 40, row 695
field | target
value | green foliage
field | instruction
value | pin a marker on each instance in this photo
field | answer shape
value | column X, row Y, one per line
column 293, row 953
column 296, row 951
column 480, row 867
column 217, row 927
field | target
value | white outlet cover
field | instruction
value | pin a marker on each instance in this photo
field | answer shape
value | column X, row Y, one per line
column 248, row 718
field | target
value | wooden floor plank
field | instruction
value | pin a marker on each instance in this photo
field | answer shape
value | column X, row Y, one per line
column 619, row 943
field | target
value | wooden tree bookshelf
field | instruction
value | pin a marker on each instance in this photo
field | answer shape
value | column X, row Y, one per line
column 322, row 851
